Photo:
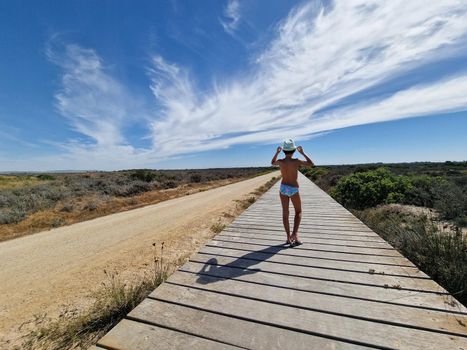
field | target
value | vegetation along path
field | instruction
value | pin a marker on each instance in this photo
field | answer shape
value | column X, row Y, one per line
column 345, row 287
column 41, row 272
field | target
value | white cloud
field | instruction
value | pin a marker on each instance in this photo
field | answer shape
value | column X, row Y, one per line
column 320, row 55
column 95, row 104
column 444, row 96
column 232, row 16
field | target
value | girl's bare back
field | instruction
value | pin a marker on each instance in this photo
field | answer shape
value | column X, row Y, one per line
column 289, row 171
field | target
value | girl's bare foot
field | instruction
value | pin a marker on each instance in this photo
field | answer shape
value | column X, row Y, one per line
column 295, row 240
column 297, row 243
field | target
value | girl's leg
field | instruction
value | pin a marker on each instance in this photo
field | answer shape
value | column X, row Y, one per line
column 285, row 215
column 297, row 204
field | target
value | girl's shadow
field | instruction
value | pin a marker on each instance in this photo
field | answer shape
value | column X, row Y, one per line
column 213, row 272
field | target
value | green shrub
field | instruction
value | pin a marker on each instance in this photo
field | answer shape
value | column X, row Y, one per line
column 370, row 188
column 143, row 175
column 424, row 190
column 45, row 177
column 450, row 202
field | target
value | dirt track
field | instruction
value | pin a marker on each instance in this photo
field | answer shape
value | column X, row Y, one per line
column 42, row 272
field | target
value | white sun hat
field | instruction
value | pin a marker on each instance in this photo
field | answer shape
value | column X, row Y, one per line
column 288, row 145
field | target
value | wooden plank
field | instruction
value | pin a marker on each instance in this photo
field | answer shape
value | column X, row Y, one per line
column 378, row 312
column 131, row 335
column 311, row 240
column 317, row 254
column 365, row 236
column 277, row 212
column 305, row 220
column 391, row 252
column 309, row 227
column 268, row 215
column 378, row 281
column 321, row 254
column 231, row 330
column 282, row 256
column 391, row 296
column 304, row 224
column 324, row 237
column 351, row 329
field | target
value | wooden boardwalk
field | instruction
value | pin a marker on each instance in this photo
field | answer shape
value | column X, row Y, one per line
column 344, row 288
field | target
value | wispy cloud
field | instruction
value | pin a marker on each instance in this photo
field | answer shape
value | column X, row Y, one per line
column 231, row 18
column 319, row 56
column 95, row 104
column 98, row 107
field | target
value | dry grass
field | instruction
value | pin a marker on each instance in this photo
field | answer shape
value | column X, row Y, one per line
column 79, row 329
column 14, row 181
column 217, row 227
column 441, row 255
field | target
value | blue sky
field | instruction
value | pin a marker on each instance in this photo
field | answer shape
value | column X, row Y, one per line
column 193, row 84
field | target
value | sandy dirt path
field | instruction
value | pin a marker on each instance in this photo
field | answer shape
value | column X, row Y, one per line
column 43, row 272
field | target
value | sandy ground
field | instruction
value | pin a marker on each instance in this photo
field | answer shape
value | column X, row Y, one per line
column 44, row 272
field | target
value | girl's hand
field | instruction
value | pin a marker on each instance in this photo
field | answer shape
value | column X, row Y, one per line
column 300, row 149
column 279, row 149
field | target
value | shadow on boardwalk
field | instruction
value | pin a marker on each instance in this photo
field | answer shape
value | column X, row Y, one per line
column 213, row 272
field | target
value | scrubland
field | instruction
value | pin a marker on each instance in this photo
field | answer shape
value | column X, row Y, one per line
column 35, row 202
column 420, row 208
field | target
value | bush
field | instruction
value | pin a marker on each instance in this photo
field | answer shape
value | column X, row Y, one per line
column 423, row 191
column 315, row 173
column 370, row 188
column 91, row 206
column 451, row 203
column 195, row 178
column 143, row 175
column 45, row 177
column 443, row 256
column 217, row 227
column 8, row 216
column 169, row 184
column 133, row 189
column 67, row 208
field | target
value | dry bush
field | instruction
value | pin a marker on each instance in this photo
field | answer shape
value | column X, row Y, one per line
column 217, row 227
column 441, row 255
